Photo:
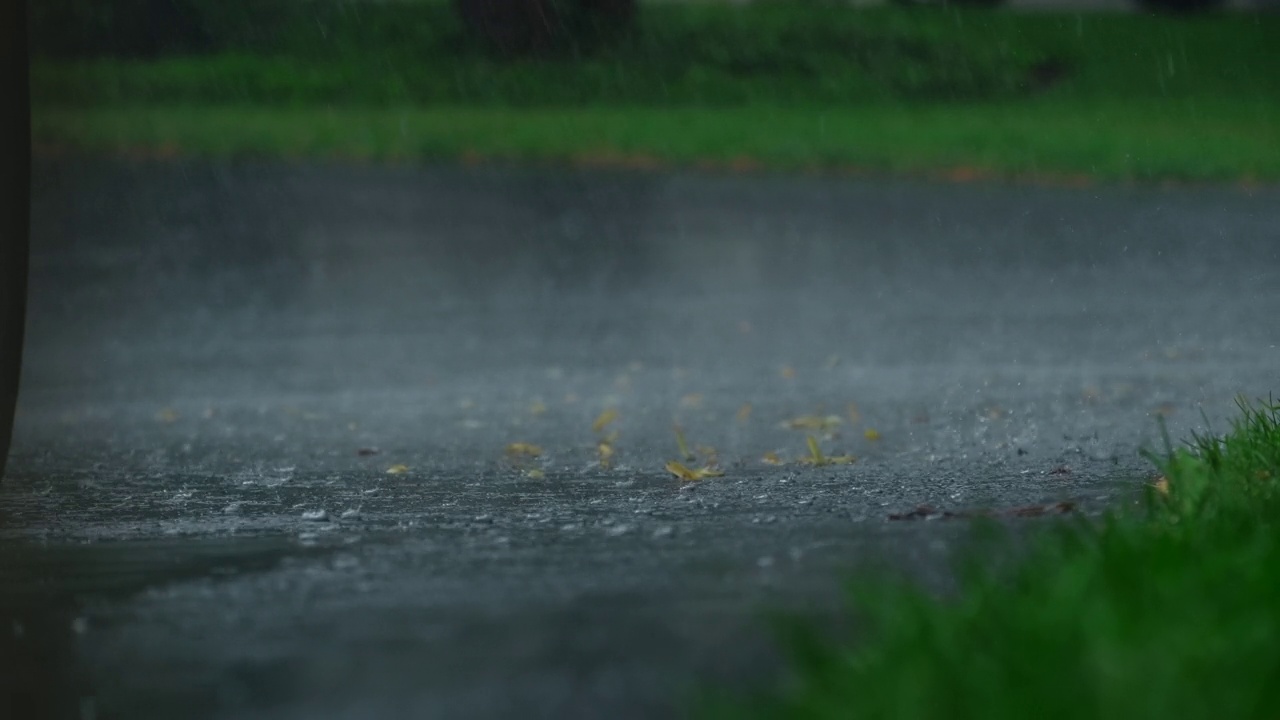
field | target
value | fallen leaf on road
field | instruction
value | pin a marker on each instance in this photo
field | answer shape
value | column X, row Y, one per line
column 602, row 422
column 871, row 434
column 772, row 458
column 520, row 449
column 604, row 452
column 817, row 459
column 690, row 474
column 397, row 469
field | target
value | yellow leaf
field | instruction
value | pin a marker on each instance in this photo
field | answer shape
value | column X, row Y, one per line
column 681, row 445
column 871, row 434
column 604, row 419
column 815, row 452
column 397, row 469
column 744, row 412
column 605, row 452
column 523, row 449
column 772, row 458
column 534, row 474
column 689, row 474
column 1161, row 485
column 818, row 459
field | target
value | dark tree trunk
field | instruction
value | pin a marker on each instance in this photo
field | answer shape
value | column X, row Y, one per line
column 511, row 27
column 514, row 28
column 15, row 197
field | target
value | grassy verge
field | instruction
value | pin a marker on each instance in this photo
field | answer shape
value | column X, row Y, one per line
column 1172, row 613
column 785, row 85
column 1139, row 142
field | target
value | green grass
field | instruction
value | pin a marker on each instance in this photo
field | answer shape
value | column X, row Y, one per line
column 1169, row 613
column 703, row 53
column 1140, row 141
column 788, row 85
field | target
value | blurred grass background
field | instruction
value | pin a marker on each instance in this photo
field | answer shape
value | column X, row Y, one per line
column 795, row 84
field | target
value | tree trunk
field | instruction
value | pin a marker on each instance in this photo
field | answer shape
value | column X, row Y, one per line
column 513, row 28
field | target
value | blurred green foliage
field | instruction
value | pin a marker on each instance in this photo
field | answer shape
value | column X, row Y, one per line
column 789, row 83
column 325, row 51
column 1169, row 613
column 418, row 53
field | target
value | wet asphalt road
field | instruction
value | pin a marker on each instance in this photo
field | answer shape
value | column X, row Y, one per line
column 212, row 345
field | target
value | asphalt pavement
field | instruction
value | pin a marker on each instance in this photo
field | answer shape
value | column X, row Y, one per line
column 263, row 465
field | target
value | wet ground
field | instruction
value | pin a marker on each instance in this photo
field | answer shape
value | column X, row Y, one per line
column 261, row 462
